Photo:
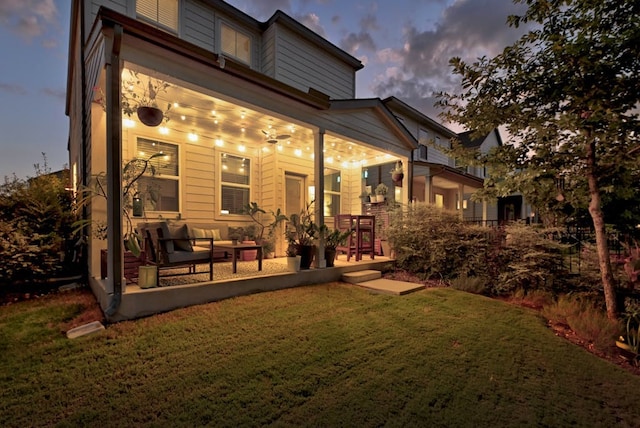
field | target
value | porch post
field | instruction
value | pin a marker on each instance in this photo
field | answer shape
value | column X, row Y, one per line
column 114, row 171
column 484, row 212
column 460, row 199
column 318, row 150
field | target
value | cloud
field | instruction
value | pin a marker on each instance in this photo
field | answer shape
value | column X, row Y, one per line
column 353, row 42
column 312, row 22
column 54, row 93
column 28, row 18
column 467, row 28
column 13, row 89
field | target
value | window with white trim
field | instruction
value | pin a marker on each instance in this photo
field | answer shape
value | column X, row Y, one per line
column 235, row 43
column 235, row 179
column 332, row 181
column 159, row 187
column 423, row 142
column 161, row 12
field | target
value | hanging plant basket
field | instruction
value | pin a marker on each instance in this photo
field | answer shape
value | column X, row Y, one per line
column 150, row 116
column 397, row 178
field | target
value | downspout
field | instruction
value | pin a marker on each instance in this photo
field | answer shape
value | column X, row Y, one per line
column 114, row 172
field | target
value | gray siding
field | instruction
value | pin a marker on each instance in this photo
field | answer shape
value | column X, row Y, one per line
column 197, row 25
column 269, row 52
column 303, row 65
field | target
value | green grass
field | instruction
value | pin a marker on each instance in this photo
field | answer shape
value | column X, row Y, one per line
column 327, row 355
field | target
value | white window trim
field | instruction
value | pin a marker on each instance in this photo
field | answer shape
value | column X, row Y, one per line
column 222, row 22
column 226, row 183
column 157, row 24
column 178, row 178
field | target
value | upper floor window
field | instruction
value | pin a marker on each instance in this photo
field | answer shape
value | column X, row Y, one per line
column 235, row 178
column 162, row 12
column 159, row 188
column 235, row 44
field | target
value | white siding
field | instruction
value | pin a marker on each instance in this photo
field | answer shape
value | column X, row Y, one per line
column 303, row 65
column 198, row 25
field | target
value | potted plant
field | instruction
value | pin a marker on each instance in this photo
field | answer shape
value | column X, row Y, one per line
column 301, row 233
column 364, row 196
column 133, row 198
column 397, row 174
column 293, row 259
column 258, row 214
column 381, row 192
column 236, row 234
column 332, row 239
column 139, row 96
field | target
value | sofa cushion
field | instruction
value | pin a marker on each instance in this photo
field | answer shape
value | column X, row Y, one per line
column 180, row 234
column 166, row 233
column 206, row 233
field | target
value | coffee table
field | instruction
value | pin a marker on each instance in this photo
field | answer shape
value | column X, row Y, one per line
column 237, row 249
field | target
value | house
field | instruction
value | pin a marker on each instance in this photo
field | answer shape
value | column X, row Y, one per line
column 250, row 111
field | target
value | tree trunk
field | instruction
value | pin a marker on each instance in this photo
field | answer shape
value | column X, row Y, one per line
column 602, row 246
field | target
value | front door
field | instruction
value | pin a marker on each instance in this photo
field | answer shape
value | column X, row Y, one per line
column 294, row 194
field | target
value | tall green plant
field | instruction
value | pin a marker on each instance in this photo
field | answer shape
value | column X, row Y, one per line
column 36, row 227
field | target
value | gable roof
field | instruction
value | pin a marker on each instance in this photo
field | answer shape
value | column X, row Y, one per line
column 378, row 106
column 396, row 104
column 470, row 142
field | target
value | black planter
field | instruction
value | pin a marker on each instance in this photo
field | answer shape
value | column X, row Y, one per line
column 306, row 254
column 330, row 256
column 150, row 116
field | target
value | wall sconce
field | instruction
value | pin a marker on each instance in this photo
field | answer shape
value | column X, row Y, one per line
column 464, row 204
column 365, row 173
column 312, row 193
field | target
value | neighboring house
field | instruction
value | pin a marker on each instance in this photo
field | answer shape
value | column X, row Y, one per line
column 258, row 111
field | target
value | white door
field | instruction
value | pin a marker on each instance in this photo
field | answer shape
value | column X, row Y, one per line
column 294, row 194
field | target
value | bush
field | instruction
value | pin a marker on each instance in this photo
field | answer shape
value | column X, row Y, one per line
column 531, row 259
column 36, row 228
column 437, row 244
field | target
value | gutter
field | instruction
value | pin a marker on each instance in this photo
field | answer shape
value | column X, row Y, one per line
column 114, row 171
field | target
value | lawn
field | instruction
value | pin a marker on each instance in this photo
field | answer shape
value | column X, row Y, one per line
column 325, row 355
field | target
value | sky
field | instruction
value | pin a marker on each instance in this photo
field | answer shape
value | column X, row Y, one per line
column 405, row 46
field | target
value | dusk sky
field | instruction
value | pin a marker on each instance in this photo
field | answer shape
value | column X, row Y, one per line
column 405, row 46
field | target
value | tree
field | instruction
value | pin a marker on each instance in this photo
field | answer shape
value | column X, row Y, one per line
column 567, row 94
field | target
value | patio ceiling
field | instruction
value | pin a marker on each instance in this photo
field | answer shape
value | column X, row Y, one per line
column 211, row 119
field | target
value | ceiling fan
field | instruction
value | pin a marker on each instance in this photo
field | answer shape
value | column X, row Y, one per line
column 273, row 137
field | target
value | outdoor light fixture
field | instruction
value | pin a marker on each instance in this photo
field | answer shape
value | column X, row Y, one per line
column 365, row 173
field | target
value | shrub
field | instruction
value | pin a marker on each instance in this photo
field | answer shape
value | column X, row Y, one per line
column 531, row 260
column 36, row 228
column 436, row 243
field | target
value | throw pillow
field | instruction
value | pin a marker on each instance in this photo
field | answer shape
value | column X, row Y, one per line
column 215, row 234
column 198, row 233
column 181, row 241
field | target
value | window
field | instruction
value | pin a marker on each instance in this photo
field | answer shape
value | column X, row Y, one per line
column 162, row 12
column 235, row 180
column 423, row 141
column 160, row 188
column 332, row 179
column 236, row 44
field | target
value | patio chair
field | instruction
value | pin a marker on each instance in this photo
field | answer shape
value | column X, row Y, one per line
column 345, row 223
column 168, row 250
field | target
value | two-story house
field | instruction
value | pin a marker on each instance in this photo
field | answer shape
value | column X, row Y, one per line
column 250, row 111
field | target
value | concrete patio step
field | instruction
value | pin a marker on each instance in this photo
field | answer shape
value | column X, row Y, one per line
column 361, row 276
column 391, row 286
column 373, row 281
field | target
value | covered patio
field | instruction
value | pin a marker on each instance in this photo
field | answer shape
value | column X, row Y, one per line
column 229, row 136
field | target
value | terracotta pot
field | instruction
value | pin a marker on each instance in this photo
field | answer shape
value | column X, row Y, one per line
column 150, row 116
